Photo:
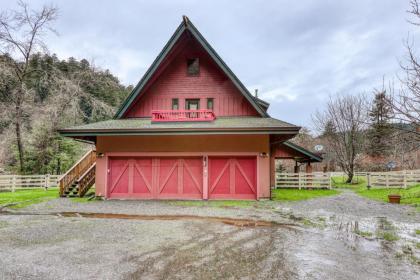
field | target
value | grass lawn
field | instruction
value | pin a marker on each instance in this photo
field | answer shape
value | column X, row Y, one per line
column 296, row 194
column 410, row 195
column 27, row 196
column 277, row 195
column 340, row 182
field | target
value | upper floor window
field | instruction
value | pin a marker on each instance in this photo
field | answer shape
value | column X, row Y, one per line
column 175, row 104
column 193, row 67
column 192, row 104
column 210, row 103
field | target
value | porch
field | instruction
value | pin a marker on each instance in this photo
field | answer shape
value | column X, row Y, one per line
column 300, row 157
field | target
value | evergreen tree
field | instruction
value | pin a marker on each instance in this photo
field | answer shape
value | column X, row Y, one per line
column 380, row 129
column 62, row 93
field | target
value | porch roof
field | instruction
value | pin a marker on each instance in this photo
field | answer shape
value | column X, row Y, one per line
column 144, row 126
column 305, row 154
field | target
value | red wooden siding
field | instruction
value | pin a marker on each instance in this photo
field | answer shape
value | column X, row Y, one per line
column 173, row 82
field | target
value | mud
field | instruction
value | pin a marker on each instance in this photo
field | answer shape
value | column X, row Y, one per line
column 227, row 221
column 320, row 239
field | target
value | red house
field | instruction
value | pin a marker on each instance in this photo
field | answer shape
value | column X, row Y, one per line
column 188, row 130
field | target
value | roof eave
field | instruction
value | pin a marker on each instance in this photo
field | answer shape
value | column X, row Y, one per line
column 304, row 151
column 70, row 133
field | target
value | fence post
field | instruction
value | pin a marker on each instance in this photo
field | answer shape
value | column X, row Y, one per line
column 405, row 179
column 47, row 181
column 368, row 181
column 13, row 183
column 330, row 177
column 299, row 180
column 386, row 180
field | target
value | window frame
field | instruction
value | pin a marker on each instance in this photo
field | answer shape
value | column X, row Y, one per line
column 175, row 102
column 210, row 100
column 192, row 99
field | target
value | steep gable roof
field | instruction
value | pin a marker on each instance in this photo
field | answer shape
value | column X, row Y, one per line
column 185, row 26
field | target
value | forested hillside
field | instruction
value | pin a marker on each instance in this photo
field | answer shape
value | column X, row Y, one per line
column 57, row 93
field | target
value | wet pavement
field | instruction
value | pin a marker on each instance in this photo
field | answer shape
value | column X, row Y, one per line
column 155, row 240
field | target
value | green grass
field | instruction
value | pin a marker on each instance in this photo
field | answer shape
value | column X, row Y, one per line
column 364, row 233
column 296, row 194
column 418, row 231
column 86, row 198
column 340, row 182
column 408, row 196
column 388, row 236
column 27, row 196
column 277, row 195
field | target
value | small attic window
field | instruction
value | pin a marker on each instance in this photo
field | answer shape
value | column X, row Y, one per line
column 193, row 67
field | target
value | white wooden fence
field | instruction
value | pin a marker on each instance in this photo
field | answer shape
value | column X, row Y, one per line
column 303, row 180
column 14, row 182
column 380, row 180
column 393, row 179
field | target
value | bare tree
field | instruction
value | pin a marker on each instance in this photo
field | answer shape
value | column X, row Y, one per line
column 21, row 35
column 343, row 125
column 406, row 102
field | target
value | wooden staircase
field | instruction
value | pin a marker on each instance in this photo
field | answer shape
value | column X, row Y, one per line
column 80, row 177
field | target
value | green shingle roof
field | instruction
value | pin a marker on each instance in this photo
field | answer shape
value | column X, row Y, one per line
column 146, row 126
column 312, row 157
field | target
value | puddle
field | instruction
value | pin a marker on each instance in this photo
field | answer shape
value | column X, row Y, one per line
column 227, row 221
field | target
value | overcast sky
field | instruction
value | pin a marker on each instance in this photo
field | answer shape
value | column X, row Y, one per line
column 297, row 53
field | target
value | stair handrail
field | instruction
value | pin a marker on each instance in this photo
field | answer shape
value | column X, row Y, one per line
column 87, row 180
column 80, row 167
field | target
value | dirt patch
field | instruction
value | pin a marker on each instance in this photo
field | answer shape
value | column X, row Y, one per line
column 227, row 221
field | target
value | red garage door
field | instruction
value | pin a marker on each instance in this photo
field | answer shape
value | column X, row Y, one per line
column 177, row 178
column 232, row 177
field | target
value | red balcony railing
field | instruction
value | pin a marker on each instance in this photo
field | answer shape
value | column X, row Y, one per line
column 182, row 116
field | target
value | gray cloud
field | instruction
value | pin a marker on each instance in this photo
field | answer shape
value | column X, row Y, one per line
column 296, row 52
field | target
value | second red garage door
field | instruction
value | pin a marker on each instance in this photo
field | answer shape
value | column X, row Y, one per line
column 232, row 178
column 156, row 178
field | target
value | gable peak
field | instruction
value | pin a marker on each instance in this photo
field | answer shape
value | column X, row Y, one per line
column 185, row 20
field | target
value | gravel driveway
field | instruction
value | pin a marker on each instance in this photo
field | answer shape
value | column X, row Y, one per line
column 314, row 239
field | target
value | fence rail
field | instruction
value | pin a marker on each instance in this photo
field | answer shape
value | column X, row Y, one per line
column 13, row 182
column 303, row 180
column 391, row 179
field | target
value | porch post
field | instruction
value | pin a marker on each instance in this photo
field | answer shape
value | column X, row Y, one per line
column 296, row 168
column 272, row 171
column 308, row 167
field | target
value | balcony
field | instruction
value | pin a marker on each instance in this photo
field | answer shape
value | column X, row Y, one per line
column 183, row 116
